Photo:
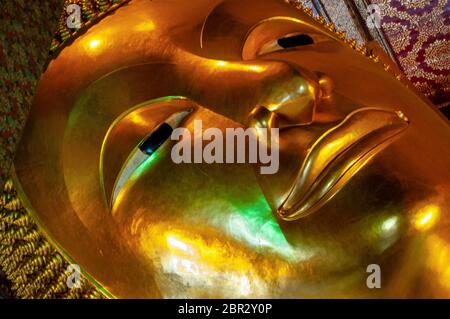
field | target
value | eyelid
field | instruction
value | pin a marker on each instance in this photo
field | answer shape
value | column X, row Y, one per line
column 142, row 152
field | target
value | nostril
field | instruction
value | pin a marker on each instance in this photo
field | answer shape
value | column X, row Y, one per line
column 326, row 86
column 261, row 117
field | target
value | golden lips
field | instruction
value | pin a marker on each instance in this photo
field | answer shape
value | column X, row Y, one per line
column 338, row 155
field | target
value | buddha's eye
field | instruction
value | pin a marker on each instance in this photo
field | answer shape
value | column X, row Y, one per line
column 145, row 149
column 156, row 139
column 295, row 41
column 286, row 42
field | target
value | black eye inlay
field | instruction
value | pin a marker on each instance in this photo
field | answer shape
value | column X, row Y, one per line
column 156, row 139
column 295, row 41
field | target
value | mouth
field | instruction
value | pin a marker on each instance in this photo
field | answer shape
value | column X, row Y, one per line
column 338, row 155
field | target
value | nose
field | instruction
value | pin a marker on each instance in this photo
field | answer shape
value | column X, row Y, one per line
column 284, row 88
column 294, row 102
column 291, row 106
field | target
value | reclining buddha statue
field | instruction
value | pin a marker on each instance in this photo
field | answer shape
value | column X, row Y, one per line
column 362, row 187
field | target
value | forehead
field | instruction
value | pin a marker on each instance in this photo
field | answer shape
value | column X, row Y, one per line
column 195, row 24
column 223, row 13
column 158, row 30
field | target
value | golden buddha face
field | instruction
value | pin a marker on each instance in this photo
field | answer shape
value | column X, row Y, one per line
column 363, row 172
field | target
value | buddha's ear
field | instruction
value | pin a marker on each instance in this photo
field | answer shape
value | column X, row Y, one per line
column 134, row 136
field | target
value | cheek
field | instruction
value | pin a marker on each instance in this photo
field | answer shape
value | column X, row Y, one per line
column 164, row 188
column 160, row 190
column 196, row 221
